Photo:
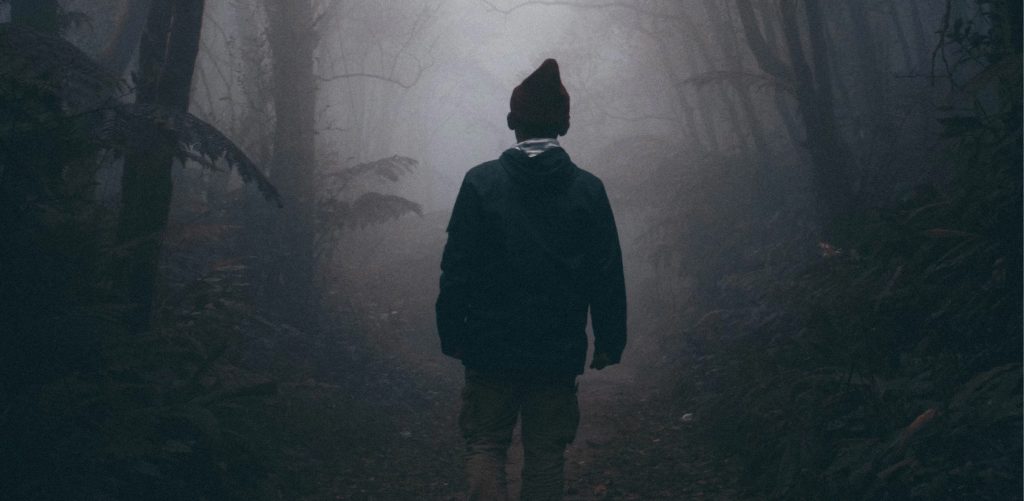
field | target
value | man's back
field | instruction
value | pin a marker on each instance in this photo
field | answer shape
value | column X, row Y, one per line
column 532, row 242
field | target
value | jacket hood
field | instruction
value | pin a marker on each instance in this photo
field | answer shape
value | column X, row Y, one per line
column 548, row 172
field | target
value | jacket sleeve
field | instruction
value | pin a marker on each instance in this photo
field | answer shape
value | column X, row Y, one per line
column 458, row 271
column 608, row 287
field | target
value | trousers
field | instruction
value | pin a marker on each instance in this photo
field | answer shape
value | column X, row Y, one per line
column 491, row 406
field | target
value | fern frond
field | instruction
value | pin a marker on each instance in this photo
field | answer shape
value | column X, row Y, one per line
column 56, row 65
column 369, row 209
column 88, row 94
column 391, row 168
column 375, row 208
column 127, row 126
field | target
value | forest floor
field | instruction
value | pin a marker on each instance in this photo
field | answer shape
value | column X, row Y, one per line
column 388, row 432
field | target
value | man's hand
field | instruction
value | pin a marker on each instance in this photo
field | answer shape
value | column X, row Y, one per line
column 600, row 361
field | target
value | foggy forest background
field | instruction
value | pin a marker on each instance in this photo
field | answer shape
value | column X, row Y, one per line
column 221, row 224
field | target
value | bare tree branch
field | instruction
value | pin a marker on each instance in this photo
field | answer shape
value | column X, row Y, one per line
column 384, row 78
column 388, row 66
column 940, row 47
column 579, row 5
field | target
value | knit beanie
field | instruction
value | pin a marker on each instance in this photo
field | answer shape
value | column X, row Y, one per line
column 541, row 100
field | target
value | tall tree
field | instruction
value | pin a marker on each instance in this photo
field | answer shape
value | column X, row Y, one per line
column 809, row 72
column 292, row 40
column 167, row 57
column 295, row 31
column 718, row 16
column 123, row 43
column 874, row 101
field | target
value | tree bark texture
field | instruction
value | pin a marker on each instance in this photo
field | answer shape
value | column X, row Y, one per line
column 167, row 56
column 292, row 44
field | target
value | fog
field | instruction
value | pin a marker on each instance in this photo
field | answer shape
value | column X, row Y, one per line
column 463, row 61
column 226, row 261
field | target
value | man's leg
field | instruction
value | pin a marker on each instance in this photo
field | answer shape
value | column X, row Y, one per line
column 489, row 411
column 551, row 415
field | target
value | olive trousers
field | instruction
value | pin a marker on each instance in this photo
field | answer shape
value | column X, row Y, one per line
column 490, row 408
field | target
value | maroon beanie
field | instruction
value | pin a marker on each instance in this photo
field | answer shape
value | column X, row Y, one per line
column 541, row 100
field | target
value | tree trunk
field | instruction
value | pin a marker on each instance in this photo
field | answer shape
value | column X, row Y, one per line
column 829, row 153
column 812, row 80
column 292, row 270
column 722, row 24
column 750, row 122
column 117, row 55
column 705, row 113
column 872, row 72
column 794, row 129
column 921, row 41
column 167, row 58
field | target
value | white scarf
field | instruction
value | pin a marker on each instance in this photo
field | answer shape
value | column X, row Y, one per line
column 534, row 147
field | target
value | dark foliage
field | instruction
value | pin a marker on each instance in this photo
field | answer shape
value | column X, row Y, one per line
column 889, row 368
column 343, row 203
column 128, row 125
column 38, row 68
column 89, row 412
column 55, row 66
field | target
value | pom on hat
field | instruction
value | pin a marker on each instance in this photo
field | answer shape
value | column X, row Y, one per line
column 541, row 100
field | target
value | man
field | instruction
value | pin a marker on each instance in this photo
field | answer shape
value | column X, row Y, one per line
column 531, row 246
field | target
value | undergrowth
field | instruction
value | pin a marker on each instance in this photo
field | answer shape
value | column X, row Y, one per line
column 888, row 367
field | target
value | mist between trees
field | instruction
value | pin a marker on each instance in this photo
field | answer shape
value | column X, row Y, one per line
column 225, row 217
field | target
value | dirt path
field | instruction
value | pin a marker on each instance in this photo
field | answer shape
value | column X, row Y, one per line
column 402, row 410
column 387, row 431
column 632, row 444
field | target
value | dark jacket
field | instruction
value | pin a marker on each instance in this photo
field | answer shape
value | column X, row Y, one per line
column 531, row 246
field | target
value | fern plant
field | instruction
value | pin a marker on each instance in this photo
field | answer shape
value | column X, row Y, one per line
column 61, row 117
column 87, row 96
column 339, row 208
